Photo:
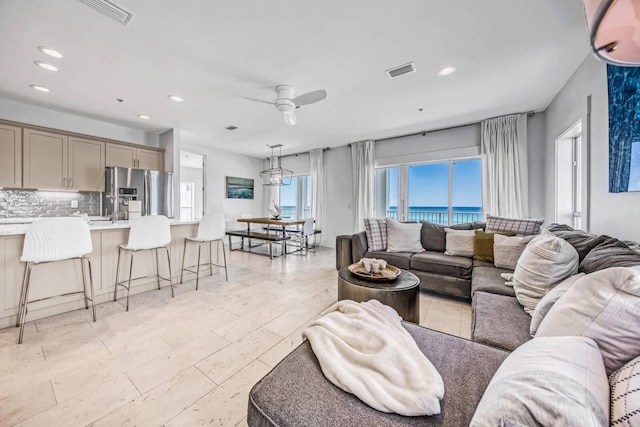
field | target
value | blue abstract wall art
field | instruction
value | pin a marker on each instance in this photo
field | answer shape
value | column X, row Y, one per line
column 624, row 128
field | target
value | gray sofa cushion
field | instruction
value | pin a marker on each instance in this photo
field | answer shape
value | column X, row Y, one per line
column 296, row 393
column 499, row 321
column 581, row 241
column 487, row 279
column 610, row 253
column 445, row 285
column 398, row 259
column 439, row 263
column 433, row 236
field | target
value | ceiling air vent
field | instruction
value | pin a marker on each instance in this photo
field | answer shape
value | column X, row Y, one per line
column 403, row 69
column 231, row 127
column 110, row 9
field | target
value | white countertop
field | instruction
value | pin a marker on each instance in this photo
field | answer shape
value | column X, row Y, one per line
column 17, row 226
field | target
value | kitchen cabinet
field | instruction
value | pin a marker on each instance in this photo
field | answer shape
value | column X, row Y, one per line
column 132, row 157
column 59, row 162
column 11, row 156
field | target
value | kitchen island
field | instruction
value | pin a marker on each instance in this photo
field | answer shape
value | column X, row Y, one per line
column 62, row 277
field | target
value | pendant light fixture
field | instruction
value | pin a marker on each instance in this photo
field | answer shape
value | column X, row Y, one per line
column 613, row 30
column 276, row 175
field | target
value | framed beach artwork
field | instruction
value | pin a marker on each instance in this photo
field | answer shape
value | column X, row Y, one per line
column 239, row 188
column 624, row 128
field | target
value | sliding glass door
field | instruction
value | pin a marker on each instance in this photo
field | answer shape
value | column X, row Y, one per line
column 445, row 193
column 295, row 199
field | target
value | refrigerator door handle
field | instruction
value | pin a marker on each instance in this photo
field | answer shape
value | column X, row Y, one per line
column 147, row 194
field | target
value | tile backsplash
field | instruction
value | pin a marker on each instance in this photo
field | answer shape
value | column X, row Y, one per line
column 32, row 203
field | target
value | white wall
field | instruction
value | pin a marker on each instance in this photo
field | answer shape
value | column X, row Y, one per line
column 338, row 196
column 615, row 214
column 39, row 116
column 220, row 164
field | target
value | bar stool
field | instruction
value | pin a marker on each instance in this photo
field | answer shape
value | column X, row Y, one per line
column 211, row 229
column 50, row 240
column 146, row 233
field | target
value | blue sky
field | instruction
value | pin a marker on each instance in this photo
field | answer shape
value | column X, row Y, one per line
column 428, row 184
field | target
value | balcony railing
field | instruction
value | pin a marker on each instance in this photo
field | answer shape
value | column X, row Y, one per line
column 290, row 211
column 439, row 217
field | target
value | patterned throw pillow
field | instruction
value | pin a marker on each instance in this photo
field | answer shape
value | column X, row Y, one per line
column 625, row 394
column 376, row 230
column 522, row 227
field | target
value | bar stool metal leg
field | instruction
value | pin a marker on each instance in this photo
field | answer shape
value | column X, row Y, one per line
column 84, row 284
column 115, row 291
column 224, row 257
column 198, row 267
column 93, row 296
column 25, row 279
column 23, row 309
column 211, row 260
column 157, row 268
column 184, row 256
column 130, row 273
column 166, row 248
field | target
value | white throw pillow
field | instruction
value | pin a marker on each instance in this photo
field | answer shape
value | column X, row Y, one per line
column 604, row 306
column 507, row 250
column 555, row 381
column 546, row 261
column 547, row 301
column 460, row 242
column 625, row 394
column 403, row 237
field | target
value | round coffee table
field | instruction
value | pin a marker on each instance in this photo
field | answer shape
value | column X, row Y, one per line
column 401, row 294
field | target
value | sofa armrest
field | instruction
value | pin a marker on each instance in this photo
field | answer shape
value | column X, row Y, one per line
column 359, row 246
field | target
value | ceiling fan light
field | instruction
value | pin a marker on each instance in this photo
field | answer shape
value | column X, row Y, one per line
column 290, row 118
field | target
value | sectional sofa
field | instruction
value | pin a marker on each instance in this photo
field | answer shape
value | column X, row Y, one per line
column 296, row 393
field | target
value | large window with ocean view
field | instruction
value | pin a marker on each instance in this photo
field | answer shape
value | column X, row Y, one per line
column 295, row 199
column 444, row 192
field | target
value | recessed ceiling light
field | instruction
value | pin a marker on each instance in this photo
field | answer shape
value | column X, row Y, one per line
column 40, row 88
column 176, row 98
column 46, row 66
column 142, row 116
column 448, row 70
column 50, row 52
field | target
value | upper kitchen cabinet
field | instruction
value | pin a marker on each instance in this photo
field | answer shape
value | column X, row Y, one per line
column 86, row 165
column 11, row 156
column 45, row 160
column 60, row 162
column 132, row 157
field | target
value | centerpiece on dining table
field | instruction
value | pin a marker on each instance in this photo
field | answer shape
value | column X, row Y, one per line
column 276, row 211
column 374, row 269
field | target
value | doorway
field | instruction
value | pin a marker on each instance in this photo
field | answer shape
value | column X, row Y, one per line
column 570, row 178
column 191, row 186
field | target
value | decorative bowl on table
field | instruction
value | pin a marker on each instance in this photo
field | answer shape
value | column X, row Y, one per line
column 389, row 273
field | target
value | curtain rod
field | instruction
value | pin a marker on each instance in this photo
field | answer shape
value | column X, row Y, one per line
column 302, row 152
column 528, row 113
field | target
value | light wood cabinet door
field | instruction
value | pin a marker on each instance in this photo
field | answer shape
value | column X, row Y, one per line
column 10, row 156
column 86, row 165
column 45, row 160
column 150, row 159
column 121, row 155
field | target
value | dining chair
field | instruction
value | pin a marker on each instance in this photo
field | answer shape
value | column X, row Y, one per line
column 52, row 240
column 210, row 229
column 147, row 233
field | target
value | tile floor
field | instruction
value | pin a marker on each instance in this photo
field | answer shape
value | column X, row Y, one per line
column 184, row 361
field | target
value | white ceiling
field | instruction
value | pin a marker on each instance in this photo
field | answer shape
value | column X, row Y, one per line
column 512, row 56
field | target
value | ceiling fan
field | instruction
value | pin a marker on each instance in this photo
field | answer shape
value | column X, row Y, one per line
column 287, row 104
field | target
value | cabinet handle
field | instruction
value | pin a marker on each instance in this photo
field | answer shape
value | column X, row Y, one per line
column 64, row 182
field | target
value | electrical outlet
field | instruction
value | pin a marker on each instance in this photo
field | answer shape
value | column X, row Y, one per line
column 74, row 203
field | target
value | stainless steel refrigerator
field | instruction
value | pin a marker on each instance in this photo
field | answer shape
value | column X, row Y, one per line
column 122, row 185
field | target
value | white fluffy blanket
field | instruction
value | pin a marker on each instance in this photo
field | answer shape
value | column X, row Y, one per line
column 363, row 349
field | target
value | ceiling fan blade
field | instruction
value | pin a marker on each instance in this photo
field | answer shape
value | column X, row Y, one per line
column 257, row 100
column 290, row 118
column 310, row 97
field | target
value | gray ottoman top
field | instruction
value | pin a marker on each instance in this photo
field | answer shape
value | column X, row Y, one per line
column 296, row 393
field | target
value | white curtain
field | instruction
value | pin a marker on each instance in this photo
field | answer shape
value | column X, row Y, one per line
column 316, row 166
column 505, row 174
column 362, row 168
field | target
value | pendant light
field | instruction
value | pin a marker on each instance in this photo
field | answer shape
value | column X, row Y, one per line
column 276, row 175
column 613, row 30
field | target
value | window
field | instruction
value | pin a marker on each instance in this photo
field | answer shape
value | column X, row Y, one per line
column 444, row 192
column 191, row 186
column 295, row 199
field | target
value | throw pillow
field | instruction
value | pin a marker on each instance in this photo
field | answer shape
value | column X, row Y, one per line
column 460, row 242
column 376, row 230
column 546, row 261
column 604, row 306
column 433, row 236
column 520, row 226
column 549, row 300
column 507, row 250
column 483, row 245
column 582, row 241
column 625, row 394
column 610, row 253
column 557, row 381
column 403, row 237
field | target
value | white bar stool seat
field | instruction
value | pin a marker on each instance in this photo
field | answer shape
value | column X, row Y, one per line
column 210, row 229
column 50, row 240
column 146, row 233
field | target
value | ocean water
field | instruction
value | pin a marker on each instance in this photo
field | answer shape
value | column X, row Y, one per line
column 460, row 209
